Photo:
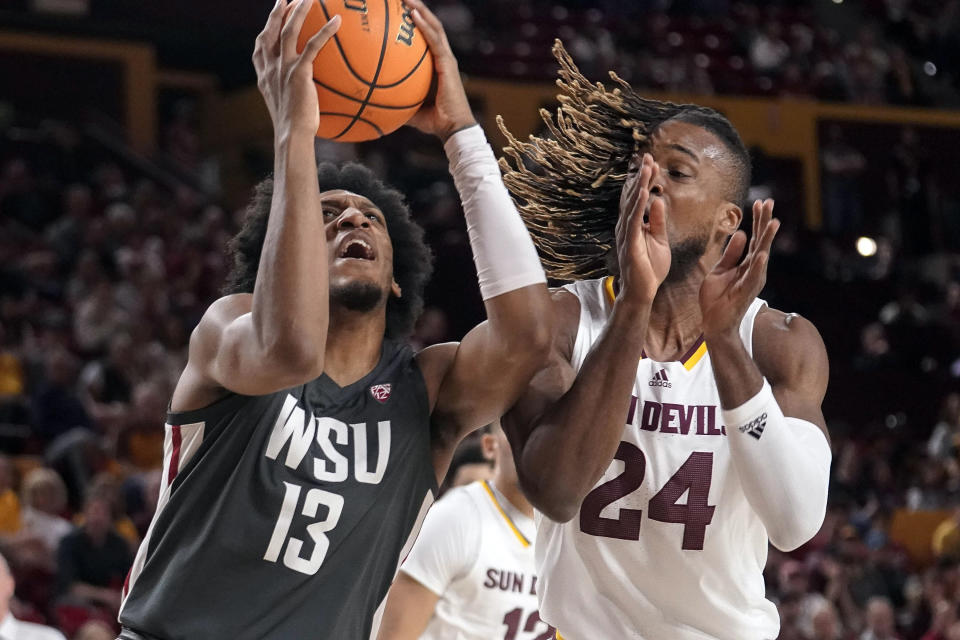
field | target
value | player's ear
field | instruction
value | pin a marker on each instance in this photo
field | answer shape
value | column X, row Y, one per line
column 395, row 289
column 488, row 444
column 730, row 218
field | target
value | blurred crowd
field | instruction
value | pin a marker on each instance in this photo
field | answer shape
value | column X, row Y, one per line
column 104, row 271
column 868, row 51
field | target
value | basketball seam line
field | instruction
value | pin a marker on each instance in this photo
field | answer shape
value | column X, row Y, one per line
column 343, row 54
column 346, row 60
column 372, row 104
column 347, row 115
column 376, row 74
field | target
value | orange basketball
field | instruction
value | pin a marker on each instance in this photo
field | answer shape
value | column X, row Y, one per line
column 375, row 72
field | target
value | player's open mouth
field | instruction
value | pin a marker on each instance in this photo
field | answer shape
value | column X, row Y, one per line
column 358, row 249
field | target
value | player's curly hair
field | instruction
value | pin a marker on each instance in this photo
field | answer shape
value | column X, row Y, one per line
column 412, row 259
column 567, row 187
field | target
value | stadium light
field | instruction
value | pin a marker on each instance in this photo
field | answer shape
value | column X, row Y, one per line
column 866, row 247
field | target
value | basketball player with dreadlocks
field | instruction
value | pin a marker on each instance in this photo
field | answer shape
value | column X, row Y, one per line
column 677, row 427
column 305, row 439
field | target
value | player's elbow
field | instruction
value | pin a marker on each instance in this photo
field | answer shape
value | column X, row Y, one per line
column 549, row 498
column 529, row 343
column 792, row 531
column 296, row 359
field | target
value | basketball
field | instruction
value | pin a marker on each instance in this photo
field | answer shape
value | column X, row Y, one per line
column 375, row 73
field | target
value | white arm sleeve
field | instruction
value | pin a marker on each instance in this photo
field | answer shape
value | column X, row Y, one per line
column 784, row 468
column 502, row 249
column 448, row 544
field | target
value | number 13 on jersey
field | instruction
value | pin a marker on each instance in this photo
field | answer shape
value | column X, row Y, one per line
column 693, row 477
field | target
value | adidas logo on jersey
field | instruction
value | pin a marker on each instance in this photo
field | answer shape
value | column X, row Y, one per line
column 660, row 379
column 755, row 427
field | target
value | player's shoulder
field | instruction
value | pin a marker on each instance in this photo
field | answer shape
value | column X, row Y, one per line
column 457, row 512
column 226, row 308
column 465, row 498
column 787, row 343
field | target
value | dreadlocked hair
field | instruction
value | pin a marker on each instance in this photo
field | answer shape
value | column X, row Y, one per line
column 567, row 187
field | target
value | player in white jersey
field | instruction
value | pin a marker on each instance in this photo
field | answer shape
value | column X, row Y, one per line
column 470, row 575
column 678, row 426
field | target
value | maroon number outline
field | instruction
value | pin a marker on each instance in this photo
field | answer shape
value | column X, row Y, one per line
column 626, row 526
column 695, row 475
column 512, row 620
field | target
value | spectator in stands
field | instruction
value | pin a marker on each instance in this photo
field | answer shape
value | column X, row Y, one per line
column 945, row 440
column 56, row 406
column 880, row 620
column 768, row 51
column 107, row 382
column 944, row 617
column 825, row 623
column 10, row 627
column 843, row 165
column 93, row 560
column 98, row 318
column 94, row 630
column 44, row 502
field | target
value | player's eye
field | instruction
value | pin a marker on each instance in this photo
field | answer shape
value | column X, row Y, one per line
column 674, row 173
column 329, row 214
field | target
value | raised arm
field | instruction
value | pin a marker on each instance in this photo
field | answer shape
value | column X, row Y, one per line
column 566, row 429
column 771, row 402
column 476, row 380
column 274, row 339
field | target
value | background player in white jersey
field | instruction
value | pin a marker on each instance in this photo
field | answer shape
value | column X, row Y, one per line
column 666, row 518
column 470, row 575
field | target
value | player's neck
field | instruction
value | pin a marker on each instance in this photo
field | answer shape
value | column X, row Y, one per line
column 354, row 345
column 511, row 491
column 675, row 319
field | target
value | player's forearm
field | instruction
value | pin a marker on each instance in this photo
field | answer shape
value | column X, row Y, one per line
column 571, row 447
column 512, row 281
column 290, row 298
column 783, row 463
column 737, row 376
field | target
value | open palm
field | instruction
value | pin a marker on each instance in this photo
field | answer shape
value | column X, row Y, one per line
column 729, row 288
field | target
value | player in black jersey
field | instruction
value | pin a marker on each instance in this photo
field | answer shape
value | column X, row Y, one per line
column 304, row 442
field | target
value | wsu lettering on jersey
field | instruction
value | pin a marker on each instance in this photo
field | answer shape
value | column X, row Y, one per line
column 679, row 419
column 297, row 431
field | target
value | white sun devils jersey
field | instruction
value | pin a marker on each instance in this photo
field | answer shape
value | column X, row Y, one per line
column 475, row 551
column 665, row 547
column 285, row 516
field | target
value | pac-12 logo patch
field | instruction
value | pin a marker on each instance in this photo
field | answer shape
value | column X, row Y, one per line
column 380, row 392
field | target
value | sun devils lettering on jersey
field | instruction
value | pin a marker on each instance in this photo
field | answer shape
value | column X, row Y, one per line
column 667, row 534
column 313, row 495
column 475, row 552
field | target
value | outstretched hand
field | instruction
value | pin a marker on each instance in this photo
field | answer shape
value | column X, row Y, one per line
column 729, row 288
column 449, row 111
column 643, row 249
column 284, row 75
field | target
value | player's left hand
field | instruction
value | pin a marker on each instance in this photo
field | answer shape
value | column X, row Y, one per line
column 729, row 288
column 448, row 111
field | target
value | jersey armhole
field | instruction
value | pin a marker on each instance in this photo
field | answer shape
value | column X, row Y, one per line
column 227, row 404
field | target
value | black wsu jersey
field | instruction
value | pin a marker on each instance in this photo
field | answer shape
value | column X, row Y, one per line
column 286, row 516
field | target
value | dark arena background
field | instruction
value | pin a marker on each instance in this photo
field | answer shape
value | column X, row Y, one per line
column 131, row 134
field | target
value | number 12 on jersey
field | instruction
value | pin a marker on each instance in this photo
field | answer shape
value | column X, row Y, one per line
column 694, row 475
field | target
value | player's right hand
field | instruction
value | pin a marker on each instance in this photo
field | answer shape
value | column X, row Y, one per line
column 285, row 77
column 643, row 249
